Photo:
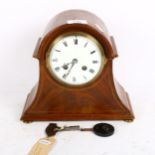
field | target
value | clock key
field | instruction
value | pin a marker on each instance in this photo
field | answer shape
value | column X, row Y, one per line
column 100, row 129
column 103, row 129
column 52, row 129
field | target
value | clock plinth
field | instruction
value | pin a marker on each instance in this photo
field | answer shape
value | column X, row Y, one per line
column 102, row 99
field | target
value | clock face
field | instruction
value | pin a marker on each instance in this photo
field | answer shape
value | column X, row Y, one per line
column 75, row 58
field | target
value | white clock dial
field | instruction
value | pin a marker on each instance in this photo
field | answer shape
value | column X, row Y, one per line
column 75, row 58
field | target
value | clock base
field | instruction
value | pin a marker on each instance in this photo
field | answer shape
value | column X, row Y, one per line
column 113, row 113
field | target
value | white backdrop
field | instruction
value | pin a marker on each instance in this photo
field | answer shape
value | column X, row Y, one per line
column 132, row 24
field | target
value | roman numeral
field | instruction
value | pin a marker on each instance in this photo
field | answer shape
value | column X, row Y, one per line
column 75, row 41
column 65, row 43
column 85, row 44
column 57, row 68
column 64, row 76
column 94, row 61
column 92, row 52
column 74, row 79
column 55, row 60
column 91, row 71
column 85, row 77
column 57, row 50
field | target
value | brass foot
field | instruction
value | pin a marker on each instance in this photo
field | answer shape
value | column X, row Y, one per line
column 129, row 120
column 27, row 122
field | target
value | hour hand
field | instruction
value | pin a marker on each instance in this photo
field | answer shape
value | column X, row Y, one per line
column 74, row 61
column 65, row 66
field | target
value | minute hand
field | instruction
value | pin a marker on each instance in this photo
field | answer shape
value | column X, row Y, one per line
column 74, row 61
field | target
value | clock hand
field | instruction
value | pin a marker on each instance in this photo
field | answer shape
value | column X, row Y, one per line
column 65, row 75
column 65, row 65
column 74, row 61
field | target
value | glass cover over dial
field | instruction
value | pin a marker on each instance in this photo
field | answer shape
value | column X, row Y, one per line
column 75, row 58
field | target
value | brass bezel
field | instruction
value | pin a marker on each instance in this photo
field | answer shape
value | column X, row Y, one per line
column 93, row 39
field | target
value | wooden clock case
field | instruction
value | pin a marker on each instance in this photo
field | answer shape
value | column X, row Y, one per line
column 103, row 99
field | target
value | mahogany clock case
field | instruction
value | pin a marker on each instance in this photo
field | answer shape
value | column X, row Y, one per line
column 102, row 99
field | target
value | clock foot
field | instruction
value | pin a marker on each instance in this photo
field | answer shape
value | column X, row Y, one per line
column 129, row 120
column 27, row 122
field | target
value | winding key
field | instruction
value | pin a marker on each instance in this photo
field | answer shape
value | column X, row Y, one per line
column 100, row 129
